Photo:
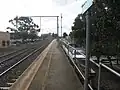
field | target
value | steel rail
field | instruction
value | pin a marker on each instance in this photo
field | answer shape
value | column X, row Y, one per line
column 1, row 56
column 1, row 61
column 4, row 72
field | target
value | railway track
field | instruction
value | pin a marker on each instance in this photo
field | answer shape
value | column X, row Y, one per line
column 21, row 47
column 12, row 67
column 110, row 75
column 110, row 79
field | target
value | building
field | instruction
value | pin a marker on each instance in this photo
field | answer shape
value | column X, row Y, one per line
column 4, row 39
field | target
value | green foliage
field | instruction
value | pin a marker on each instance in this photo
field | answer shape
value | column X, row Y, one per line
column 105, row 28
column 25, row 26
column 106, row 37
column 64, row 34
column 78, row 30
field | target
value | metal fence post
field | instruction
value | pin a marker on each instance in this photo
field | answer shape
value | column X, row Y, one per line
column 99, row 75
column 75, row 55
column 68, row 50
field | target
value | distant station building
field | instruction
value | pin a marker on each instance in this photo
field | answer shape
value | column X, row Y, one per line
column 4, row 39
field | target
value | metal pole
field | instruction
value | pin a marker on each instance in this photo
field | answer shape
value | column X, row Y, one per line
column 87, row 51
column 40, row 23
column 99, row 75
column 61, row 25
column 74, row 39
column 17, row 22
column 57, row 27
column 68, row 49
column 75, row 55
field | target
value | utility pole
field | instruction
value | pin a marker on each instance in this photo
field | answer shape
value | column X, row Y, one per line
column 17, row 22
column 61, row 24
column 57, row 27
column 40, row 23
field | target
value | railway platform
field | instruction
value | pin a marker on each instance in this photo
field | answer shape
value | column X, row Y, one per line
column 50, row 71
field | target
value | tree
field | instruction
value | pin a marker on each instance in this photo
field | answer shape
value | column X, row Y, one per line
column 78, row 30
column 64, row 35
column 105, row 36
column 105, row 28
column 25, row 26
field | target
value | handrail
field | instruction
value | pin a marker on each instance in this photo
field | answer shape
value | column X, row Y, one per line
column 77, row 66
column 98, row 65
column 106, row 67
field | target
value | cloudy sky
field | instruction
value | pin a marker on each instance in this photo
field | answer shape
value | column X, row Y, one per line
column 69, row 9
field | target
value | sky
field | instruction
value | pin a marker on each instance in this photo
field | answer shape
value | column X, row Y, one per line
column 69, row 9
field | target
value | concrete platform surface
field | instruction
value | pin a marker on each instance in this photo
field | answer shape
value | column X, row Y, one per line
column 52, row 71
column 55, row 72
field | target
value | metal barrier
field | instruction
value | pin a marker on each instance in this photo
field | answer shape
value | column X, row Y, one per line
column 69, row 51
column 67, row 48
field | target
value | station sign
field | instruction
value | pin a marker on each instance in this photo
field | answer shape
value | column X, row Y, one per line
column 87, row 4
